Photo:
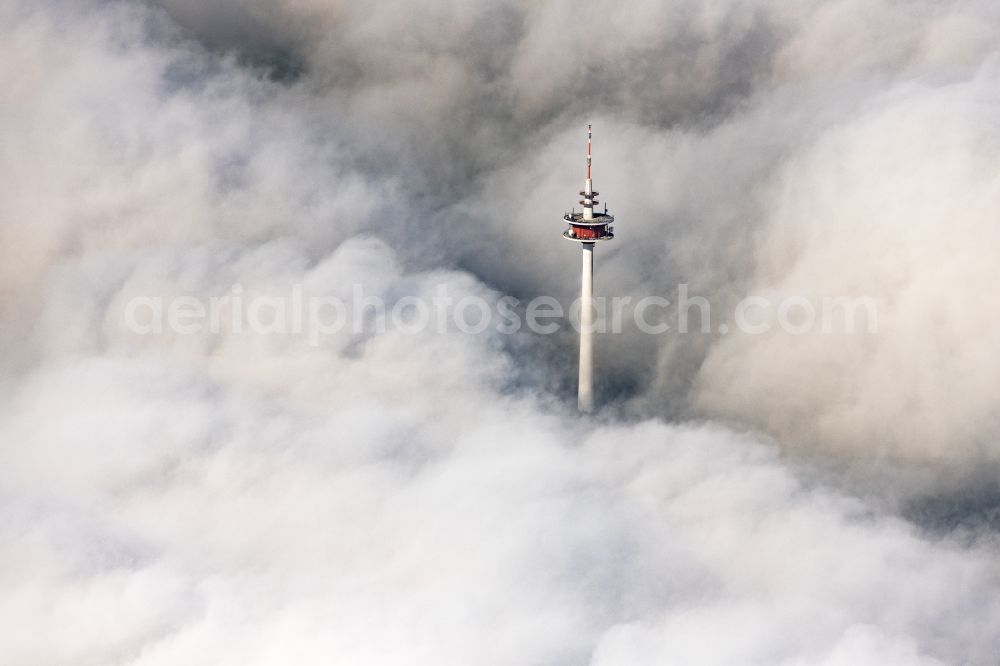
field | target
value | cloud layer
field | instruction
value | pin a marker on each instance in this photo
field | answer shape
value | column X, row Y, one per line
column 393, row 498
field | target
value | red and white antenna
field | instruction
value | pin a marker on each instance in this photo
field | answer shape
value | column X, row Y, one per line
column 590, row 140
column 588, row 228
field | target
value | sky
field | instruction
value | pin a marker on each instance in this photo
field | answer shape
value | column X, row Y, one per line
column 430, row 495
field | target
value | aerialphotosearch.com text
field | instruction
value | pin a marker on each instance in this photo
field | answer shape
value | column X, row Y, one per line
column 317, row 316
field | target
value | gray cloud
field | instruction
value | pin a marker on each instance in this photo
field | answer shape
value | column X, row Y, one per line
column 390, row 498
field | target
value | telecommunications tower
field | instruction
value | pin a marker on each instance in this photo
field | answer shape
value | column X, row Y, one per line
column 588, row 228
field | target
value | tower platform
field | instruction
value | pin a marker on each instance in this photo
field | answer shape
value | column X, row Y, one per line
column 582, row 230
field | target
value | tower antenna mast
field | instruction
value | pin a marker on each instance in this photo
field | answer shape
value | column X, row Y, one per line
column 588, row 228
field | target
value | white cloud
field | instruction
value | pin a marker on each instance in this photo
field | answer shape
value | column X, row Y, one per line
column 398, row 499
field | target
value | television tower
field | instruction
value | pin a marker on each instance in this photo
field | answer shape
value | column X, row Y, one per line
column 588, row 228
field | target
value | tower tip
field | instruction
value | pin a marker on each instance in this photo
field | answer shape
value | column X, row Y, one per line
column 589, row 138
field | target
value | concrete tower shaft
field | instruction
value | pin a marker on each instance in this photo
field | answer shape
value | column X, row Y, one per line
column 585, row 385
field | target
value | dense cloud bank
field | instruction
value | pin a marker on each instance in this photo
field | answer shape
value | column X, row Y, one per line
column 398, row 498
